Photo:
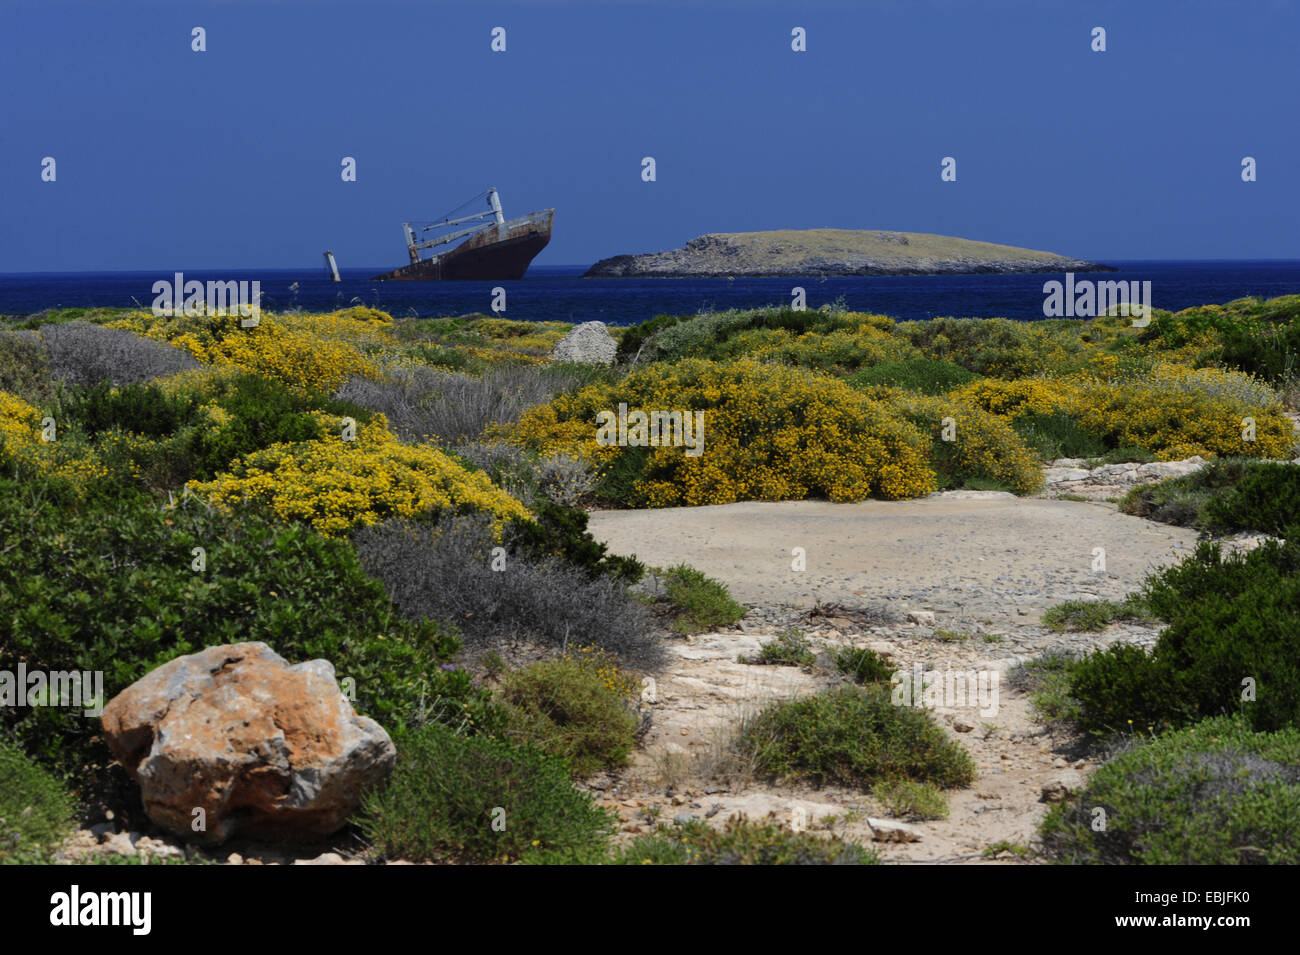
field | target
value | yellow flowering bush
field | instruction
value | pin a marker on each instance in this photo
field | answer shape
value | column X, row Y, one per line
column 983, row 445
column 1174, row 412
column 770, row 433
column 20, row 440
column 309, row 352
column 1012, row 398
column 336, row 485
column 1175, row 423
column 840, row 351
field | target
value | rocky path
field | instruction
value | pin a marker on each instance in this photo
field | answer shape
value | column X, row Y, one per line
column 953, row 581
column 703, row 695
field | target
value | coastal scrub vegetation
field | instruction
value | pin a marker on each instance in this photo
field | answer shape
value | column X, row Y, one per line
column 854, row 736
column 1226, row 496
column 406, row 499
column 741, row 841
column 1215, row 793
column 36, row 812
column 440, row 803
column 1232, row 645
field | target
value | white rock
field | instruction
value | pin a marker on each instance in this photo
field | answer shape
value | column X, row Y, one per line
column 1059, row 475
column 589, row 343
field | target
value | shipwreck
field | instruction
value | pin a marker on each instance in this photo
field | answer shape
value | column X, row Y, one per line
column 498, row 248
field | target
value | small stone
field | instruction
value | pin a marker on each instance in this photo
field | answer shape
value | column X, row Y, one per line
column 325, row 858
column 682, row 818
column 120, row 843
column 961, row 726
column 922, row 618
column 1061, row 785
column 234, row 859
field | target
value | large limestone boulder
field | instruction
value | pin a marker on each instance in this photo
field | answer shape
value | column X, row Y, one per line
column 265, row 749
column 589, row 343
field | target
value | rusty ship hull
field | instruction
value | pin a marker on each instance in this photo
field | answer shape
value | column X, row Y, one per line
column 498, row 252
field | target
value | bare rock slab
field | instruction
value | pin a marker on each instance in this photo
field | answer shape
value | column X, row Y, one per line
column 263, row 748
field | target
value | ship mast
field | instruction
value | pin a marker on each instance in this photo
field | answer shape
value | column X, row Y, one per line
column 413, row 247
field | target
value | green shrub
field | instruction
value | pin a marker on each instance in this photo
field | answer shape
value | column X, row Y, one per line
column 908, row 800
column 138, row 408
column 107, row 585
column 985, row 346
column 570, row 710
column 1268, row 352
column 863, row 665
column 561, row 532
column 1055, row 434
column 261, row 412
column 447, row 790
column 1126, row 454
column 1225, row 496
column 25, row 367
column 1047, row 679
column 1213, row 794
column 713, row 334
column 854, row 736
column 790, row 648
column 1093, row 615
column 696, row 603
column 635, row 336
column 741, row 842
column 36, row 813
column 1123, row 689
column 930, row 376
column 1266, row 499
column 1230, row 618
column 163, row 437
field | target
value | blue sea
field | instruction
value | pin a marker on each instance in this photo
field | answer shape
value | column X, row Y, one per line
column 560, row 293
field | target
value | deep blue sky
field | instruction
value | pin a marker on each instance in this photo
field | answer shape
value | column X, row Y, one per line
column 170, row 159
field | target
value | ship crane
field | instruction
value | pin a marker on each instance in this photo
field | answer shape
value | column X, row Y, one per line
column 413, row 246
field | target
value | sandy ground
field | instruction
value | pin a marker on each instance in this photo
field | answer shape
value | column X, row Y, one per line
column 960, row 553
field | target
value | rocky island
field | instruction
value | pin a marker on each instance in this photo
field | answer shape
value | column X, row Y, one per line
column 820, row 252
